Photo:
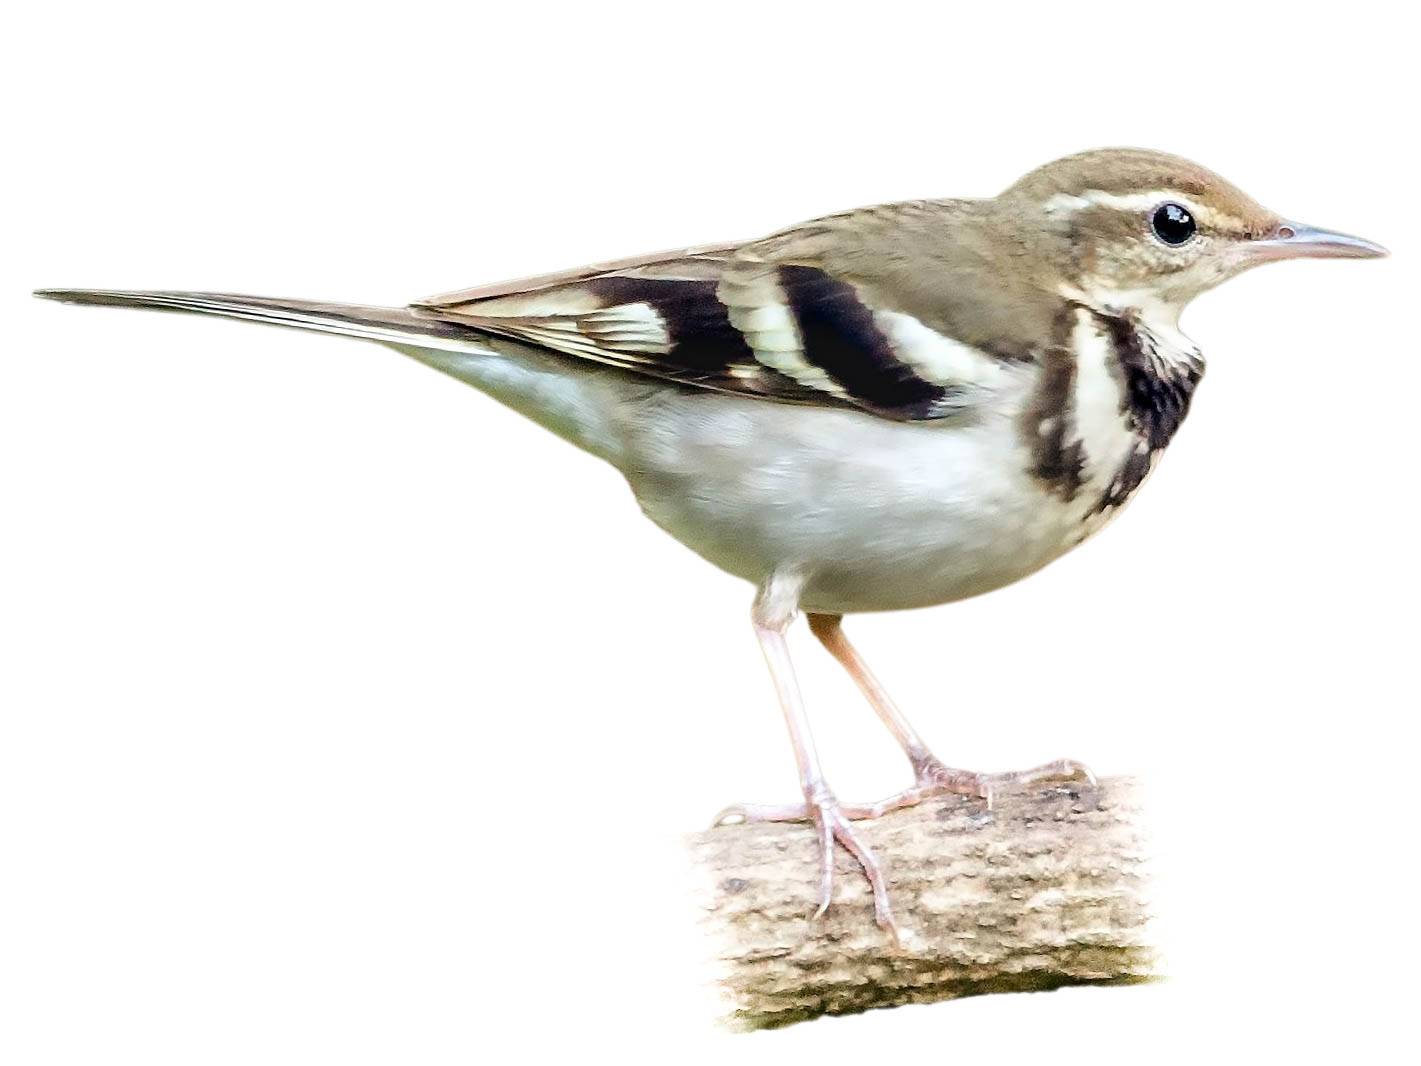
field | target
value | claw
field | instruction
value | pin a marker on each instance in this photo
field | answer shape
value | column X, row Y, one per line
column 834, row 826
column 832, row 823
column 989, row 794
column 826, row 868
column 746, row 813
column 732, row 815
column 833, row 820
column 1060, row 770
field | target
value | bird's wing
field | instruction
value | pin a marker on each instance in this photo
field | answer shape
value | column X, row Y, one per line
column 774, row 319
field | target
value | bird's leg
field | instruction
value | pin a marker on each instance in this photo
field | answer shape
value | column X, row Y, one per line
column 931, row 776
column 820, row 806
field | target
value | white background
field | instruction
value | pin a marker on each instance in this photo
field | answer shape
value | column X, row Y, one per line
column 349, row 718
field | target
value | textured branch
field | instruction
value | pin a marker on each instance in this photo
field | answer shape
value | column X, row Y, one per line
column 1047, row 889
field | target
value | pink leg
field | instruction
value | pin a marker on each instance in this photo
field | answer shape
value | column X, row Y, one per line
column 819, row 806
column 931, row 777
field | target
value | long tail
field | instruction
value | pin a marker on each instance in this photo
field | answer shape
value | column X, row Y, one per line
column 390, row 325
column 571, row 397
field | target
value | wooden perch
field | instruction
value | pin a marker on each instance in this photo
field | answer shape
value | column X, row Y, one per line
column 1046, row 889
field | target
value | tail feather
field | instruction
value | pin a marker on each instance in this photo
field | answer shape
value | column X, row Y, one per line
column 572, row 397
column 389, row 325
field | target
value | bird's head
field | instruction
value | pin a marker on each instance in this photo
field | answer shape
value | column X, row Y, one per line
column 1133, row 229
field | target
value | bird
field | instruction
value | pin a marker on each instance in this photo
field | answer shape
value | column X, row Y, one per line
column 891, row 407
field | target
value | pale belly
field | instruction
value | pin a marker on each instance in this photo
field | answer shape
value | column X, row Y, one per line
column 872, row 515
column 869, row 514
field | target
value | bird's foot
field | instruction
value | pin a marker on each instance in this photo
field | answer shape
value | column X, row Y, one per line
column 831, row 820
column 935, row 779
column 932, row 778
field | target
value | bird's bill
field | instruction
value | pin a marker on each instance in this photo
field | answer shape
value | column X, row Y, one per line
column 1293, row 240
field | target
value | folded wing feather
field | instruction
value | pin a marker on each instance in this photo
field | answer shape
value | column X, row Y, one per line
column 734, row 318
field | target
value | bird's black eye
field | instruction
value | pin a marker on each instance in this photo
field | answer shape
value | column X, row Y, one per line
column 1173, row 224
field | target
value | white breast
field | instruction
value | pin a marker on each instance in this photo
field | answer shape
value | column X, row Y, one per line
column 1100, row 421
